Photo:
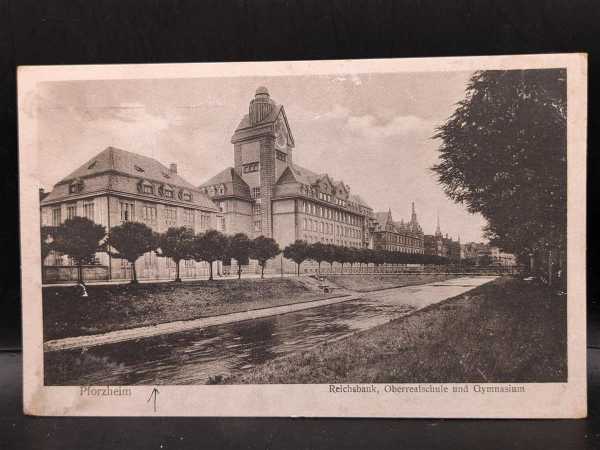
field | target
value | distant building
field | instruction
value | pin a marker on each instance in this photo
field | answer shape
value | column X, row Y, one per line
column 439, row 245
column 398, row 236
column 484, row 254
column 117, row 186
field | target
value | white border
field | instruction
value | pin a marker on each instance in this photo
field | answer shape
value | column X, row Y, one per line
column 543, row 400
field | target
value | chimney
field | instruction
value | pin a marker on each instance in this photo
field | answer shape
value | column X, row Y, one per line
column 173, row 168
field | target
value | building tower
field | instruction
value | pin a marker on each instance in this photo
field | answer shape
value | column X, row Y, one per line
column 438, row 231
column 262, row 145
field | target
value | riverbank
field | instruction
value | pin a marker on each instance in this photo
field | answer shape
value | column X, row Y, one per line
column 119, row 307
column 508, row 330
column 111, row 308
column 376, row 282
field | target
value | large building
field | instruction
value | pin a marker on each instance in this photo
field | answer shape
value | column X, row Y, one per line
column 398, row 236
column 117, row 186
column 267, row 193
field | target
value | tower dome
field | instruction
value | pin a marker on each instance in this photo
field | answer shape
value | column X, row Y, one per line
column 260, row 106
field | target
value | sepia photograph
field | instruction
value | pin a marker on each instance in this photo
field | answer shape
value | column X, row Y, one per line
column 373, row 229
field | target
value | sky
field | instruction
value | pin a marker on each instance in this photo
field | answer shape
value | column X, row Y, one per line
column 373, row 131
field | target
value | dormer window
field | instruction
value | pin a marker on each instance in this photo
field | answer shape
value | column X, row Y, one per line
column 92, row 165
column 187, row 196
column 169, row 193
column 166, row 175
column 148, row 189
column 138, row 168
column 75, row 187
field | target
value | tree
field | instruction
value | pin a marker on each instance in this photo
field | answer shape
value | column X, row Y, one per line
column 316, row 252
column 330, row 255
column 80, row 238
column 131, row 240
column 239, row 249
column 263, row 249
column 210, row 247
column 343, row 256
column 503, row 155
column 297, row 252
column 47, row 240
column 177, row 244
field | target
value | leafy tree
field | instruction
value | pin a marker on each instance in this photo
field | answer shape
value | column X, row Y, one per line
column 343, row 256
column 263, row 249
column 131, row 240
column 80, row 238
column 503, row 155
column 330, row 255
column 47, row 240
column 239, row 249
column 297, row 252
column 177, row 244
column 210, row 247
column 317, row 252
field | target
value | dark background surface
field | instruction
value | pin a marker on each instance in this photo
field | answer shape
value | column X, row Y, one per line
column 147, row 31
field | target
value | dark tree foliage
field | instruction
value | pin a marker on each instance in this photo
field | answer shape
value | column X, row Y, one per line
column 210, row 247
column 131, row 240
column 263, row 249
column 47, row 236
column 503, row 154
column 298, row 252
column 80, row 238
column 239, row 249
column 177, row 243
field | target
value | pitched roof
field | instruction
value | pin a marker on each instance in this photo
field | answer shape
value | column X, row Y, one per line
column 235, row 185
column 117, row 160
column 382, row 217
column 271, row 117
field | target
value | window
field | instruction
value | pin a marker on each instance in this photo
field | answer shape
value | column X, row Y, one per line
column 168, row 193
column 56, row 216
column 204, row 221
column 170, row 216
column 127, row 211
column 188, row 218
column 256, row 192
column 280, row 155
column 305, row 224
column 257, row 209
column 186, row 196
column 250, row 167
column 138, row 168
column 148, row 189
column 88, row 211
column 75, row 187
column 149, row 214
column 257, row 225
column 71, row 211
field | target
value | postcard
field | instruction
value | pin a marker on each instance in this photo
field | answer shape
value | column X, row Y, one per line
column 342, row 238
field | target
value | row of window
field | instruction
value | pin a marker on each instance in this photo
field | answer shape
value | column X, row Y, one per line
column 280, row 156
column 88, row 213
column 342, row 242
column 149, row 215
column 329, row 228
column 396, row 248
column 251, row 167
column 329, row 213
column 400, row 239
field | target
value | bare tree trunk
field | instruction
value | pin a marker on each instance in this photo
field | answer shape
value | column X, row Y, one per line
column 133, row 273
column 177, row 277
column 239, row 271
column 262, row 270
column 210, row 270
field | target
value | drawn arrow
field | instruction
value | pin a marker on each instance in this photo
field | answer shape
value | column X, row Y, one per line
column 154, row 394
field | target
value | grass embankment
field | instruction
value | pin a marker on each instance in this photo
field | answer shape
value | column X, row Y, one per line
column 117, row 307
column 504, row 331
column 375, row 282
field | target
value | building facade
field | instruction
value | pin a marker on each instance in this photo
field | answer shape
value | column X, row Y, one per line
column 266, row 193
column 115, row 187
column 439, row 245
column 398, row 236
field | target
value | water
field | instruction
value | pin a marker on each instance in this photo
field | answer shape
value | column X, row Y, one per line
column 193, row 357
